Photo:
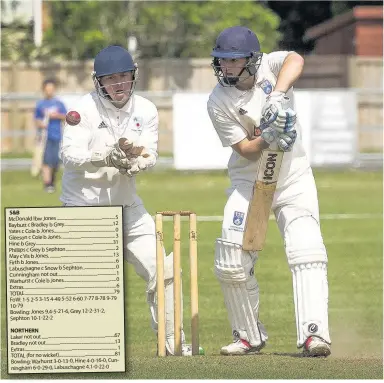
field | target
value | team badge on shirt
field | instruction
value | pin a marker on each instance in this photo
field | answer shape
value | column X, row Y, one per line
column 137, row 124
column 238, row 218
column 266, row 86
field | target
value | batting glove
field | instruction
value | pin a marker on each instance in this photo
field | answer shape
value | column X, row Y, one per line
column 269, row 134
column 275, row 115
column 285, row 141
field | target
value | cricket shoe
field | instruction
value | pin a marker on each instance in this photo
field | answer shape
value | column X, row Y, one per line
column 50, row 189
column 315, row 346
column 241, row 347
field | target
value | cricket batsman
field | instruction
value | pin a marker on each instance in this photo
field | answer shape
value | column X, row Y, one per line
column 252, row 107
column 109, row 138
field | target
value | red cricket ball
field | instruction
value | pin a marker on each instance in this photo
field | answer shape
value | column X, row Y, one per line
column 72, row 117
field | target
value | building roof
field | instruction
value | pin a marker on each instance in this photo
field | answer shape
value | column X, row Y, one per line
column 337, row 22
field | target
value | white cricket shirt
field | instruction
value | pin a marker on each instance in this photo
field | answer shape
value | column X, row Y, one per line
column 236, row 114
column 101, row 125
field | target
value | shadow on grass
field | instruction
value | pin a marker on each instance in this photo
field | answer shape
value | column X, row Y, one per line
column 291, row 354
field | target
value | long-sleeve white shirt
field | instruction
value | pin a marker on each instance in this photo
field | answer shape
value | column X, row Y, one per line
column 100, row 127
column 235, row 115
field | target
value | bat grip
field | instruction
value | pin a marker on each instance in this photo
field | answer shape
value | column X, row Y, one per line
column 274, row 146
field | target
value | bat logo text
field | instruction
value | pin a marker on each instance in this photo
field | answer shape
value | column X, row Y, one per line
column 269, row 166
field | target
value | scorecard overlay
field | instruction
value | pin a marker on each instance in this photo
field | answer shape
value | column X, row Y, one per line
column 65, row 289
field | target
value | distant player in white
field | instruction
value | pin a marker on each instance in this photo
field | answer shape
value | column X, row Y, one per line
column 249, row 111
column 98, row 172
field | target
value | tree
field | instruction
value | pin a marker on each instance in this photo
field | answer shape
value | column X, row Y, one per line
column 16, row 34
column 298, row 16
column 339, row 7
column 189, row 29
column 17, row 41
column 79, row 29
column 162, row 28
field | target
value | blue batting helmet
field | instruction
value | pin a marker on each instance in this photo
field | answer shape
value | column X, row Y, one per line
column 113, row 59
column 236, row 42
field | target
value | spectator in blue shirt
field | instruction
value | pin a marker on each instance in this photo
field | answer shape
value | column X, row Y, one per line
column 49, row 114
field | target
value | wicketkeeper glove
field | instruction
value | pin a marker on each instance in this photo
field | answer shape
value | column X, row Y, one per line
column 112, row 157
column 137, row 165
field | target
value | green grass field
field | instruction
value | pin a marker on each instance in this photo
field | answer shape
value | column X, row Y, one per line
column 354, row 245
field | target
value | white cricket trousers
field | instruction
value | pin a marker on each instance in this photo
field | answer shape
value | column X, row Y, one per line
column 289, row 203
column 139, row 239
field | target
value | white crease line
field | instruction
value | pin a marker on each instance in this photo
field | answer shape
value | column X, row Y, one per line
column 218, row 218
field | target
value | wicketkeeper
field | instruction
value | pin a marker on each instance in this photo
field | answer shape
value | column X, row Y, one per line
column 100, row 171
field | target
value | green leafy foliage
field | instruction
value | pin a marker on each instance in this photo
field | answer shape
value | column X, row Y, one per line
column 162, row 28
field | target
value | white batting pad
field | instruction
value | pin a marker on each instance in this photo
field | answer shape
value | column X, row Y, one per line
column 304, row 242
column 169, row 308
column 234, row 268
column 307, row 258
column 169, row 303
column 310, row 292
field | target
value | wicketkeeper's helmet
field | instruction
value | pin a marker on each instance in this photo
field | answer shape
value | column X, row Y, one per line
column 111, row 60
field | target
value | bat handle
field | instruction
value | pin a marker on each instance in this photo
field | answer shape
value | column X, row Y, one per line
column 274, row 146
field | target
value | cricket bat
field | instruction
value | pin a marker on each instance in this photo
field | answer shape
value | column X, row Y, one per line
column 38, row 152
column 259, row 208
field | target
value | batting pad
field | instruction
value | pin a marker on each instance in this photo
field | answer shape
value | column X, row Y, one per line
column 310, row 293
column 169, row 299
column 234, row 268
column 304, row 242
